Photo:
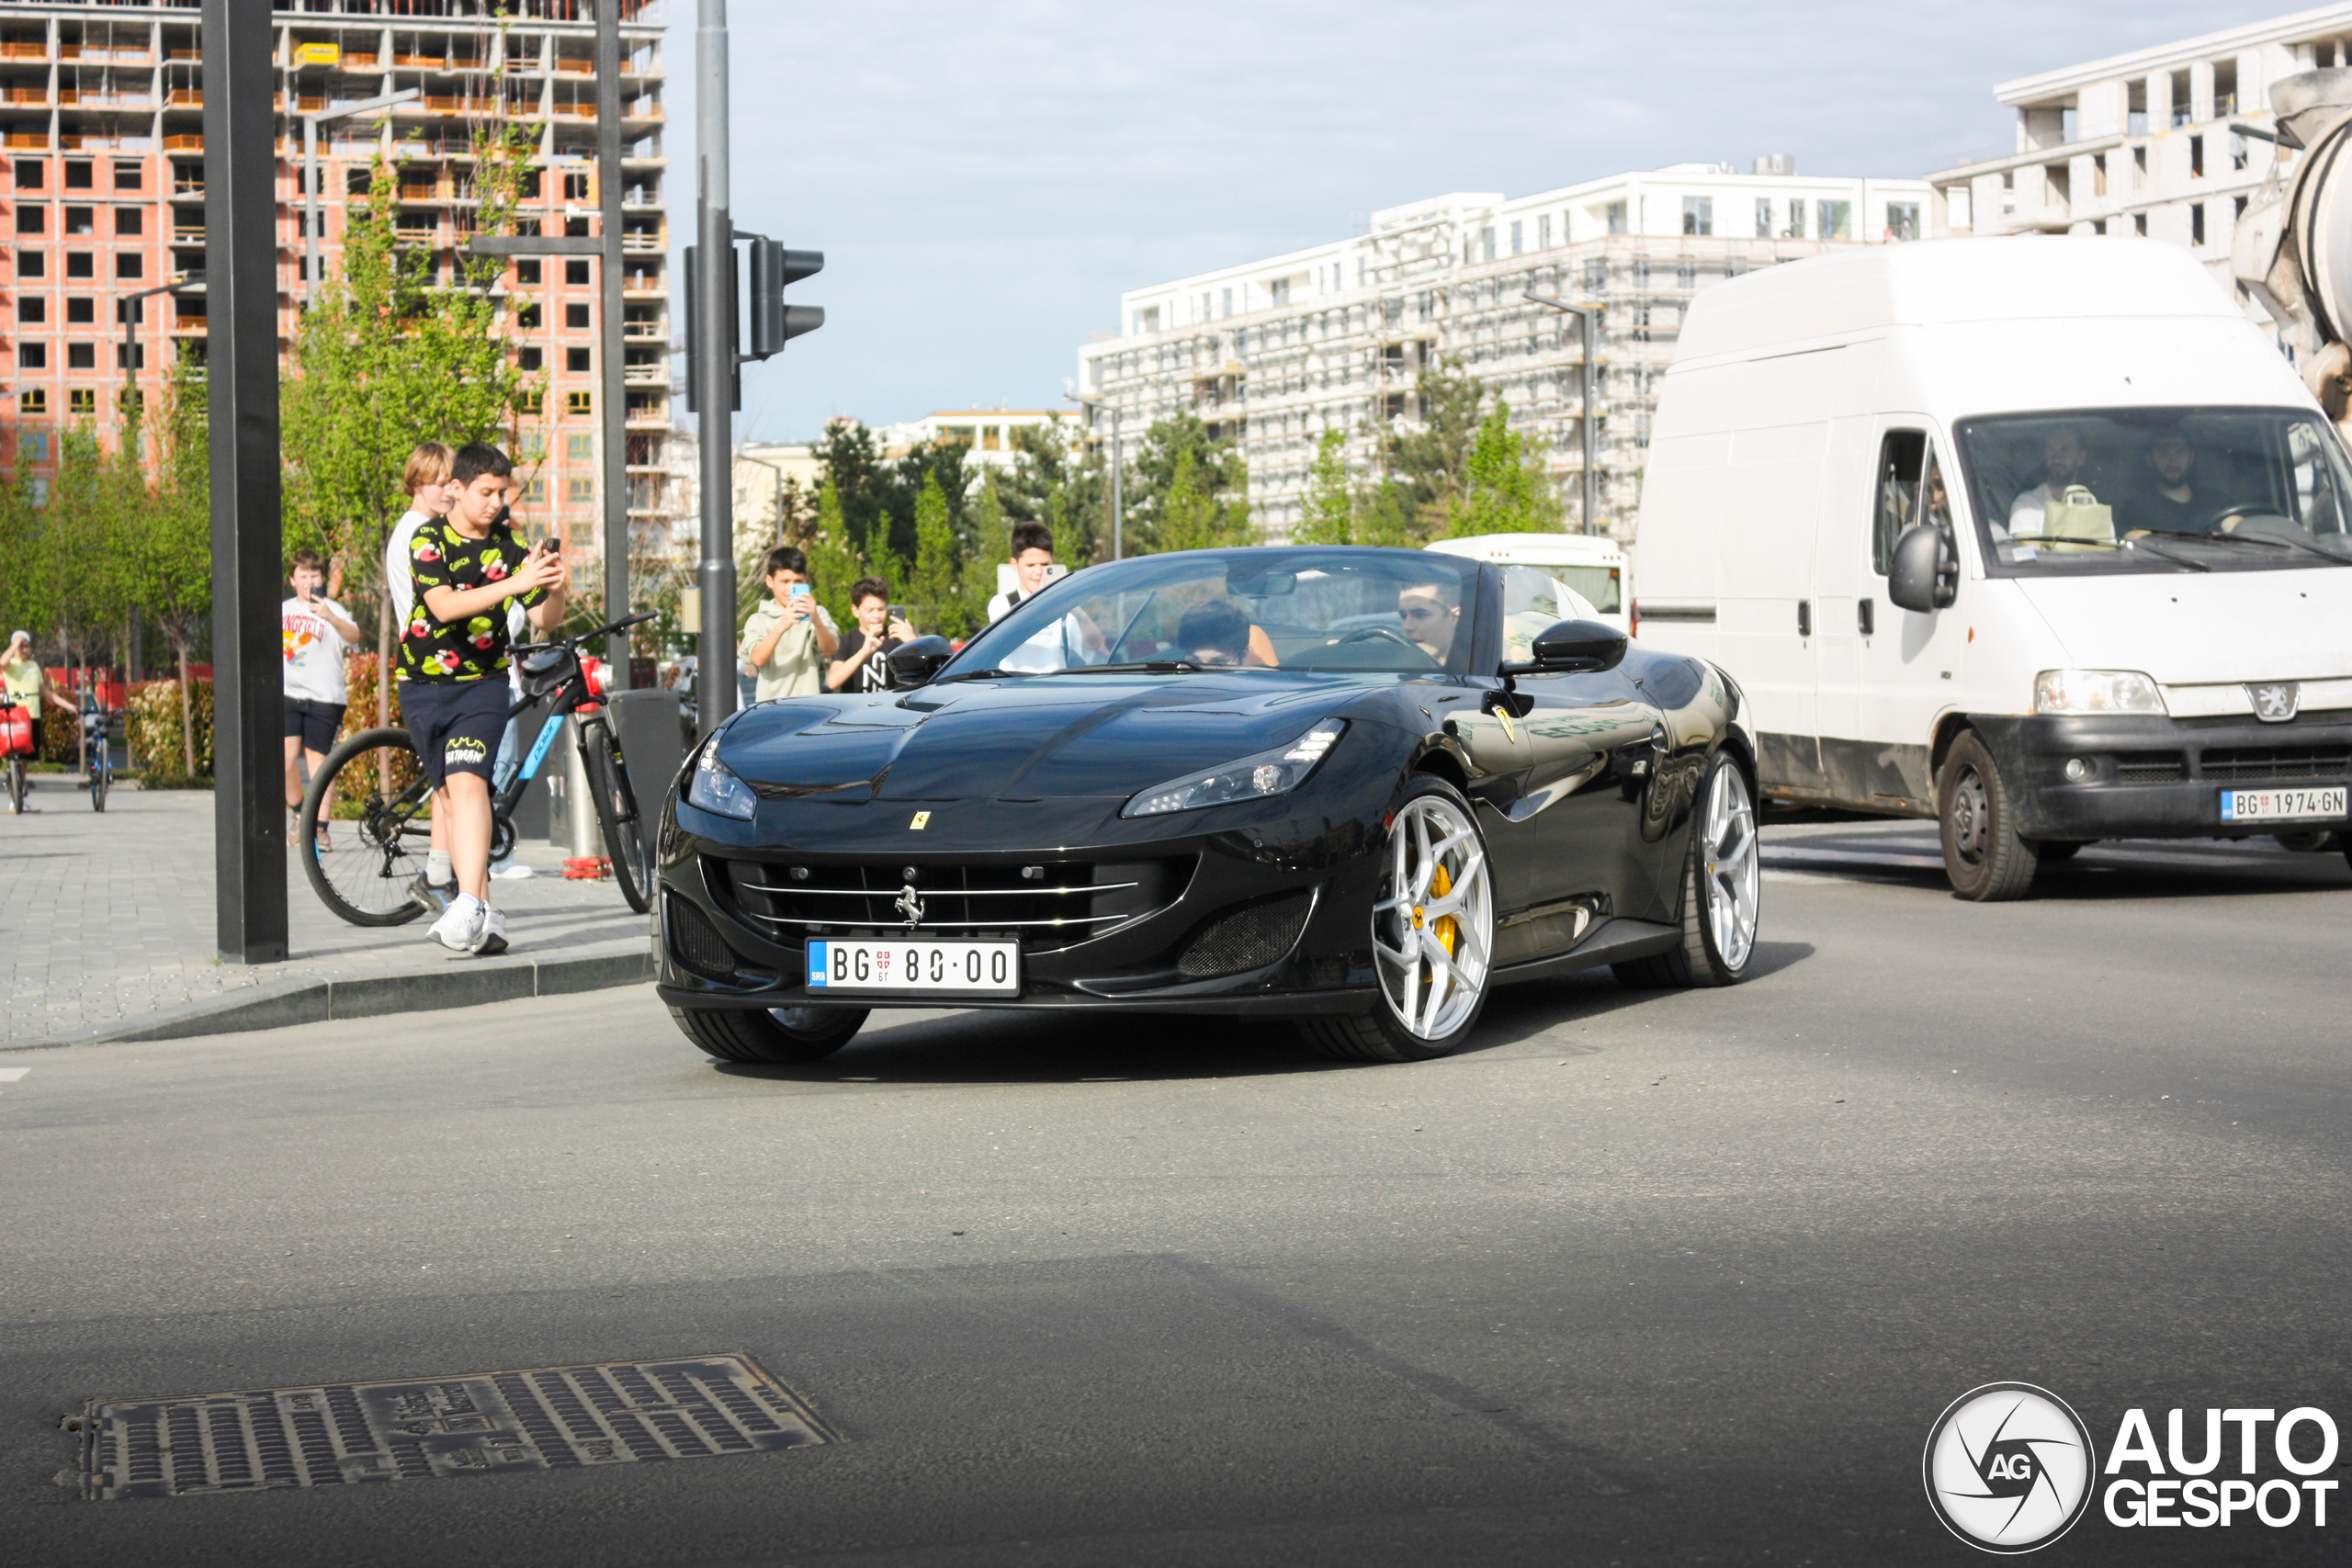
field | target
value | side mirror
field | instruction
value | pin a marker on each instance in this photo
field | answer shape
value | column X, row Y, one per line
column 1923, row 575
column 1574, row 647
column 914, row 663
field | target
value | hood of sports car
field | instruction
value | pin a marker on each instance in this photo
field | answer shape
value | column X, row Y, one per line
column 1034, row 738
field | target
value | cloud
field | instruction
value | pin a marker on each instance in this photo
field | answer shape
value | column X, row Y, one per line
column 984, row 179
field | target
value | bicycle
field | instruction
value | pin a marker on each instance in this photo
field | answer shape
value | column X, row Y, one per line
column 367, row 865
column 19, row 739
column 94, row 720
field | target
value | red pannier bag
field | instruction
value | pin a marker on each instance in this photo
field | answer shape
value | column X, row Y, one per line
column 17, row 732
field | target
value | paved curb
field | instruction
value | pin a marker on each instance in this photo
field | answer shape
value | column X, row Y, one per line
column 454, row 983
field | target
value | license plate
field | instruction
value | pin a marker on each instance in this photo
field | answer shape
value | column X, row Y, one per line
column 940, row 968
column 2281, row 805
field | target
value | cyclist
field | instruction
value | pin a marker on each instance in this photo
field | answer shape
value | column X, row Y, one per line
column 454, row 657
column 27, row 683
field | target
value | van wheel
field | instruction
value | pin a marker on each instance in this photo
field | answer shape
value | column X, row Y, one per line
column 1987, row 861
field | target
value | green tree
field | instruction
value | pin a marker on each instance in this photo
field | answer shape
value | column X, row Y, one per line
column 1193, row 517
column 1213, row 507
column 936, row 586
column 167, row 539
column 1329, row 512
column 1426, row 467
column 1067, row 491
column 1506, row 490
column 834, row 561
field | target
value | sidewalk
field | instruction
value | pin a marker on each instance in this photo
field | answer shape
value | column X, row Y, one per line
column 107, row 919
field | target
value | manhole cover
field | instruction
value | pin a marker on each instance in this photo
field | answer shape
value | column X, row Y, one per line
column 424, row 1428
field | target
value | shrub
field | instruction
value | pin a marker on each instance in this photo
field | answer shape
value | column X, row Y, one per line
column 156, row 741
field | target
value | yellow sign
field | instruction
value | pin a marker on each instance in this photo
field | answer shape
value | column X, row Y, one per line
column 327, row 54
column 922, row 820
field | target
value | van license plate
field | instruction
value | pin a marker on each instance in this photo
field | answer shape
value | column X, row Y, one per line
column 917, row 968
column 2281, row 805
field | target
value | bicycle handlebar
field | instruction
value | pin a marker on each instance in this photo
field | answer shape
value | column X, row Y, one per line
column 578, row 638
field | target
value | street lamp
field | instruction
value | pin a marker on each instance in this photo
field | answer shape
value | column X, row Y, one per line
column 128, row 307
column 310, row 123
column 1588, row 319
column 1118, row 512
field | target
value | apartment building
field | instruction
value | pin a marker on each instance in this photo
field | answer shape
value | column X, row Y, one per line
column 1274, row 353
column 2148, row 143
column 101, row 112
column 987, row 433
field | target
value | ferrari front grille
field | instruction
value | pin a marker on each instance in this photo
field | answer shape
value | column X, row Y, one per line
column 695, row 943
column 1047, row 904
column 1246, row 939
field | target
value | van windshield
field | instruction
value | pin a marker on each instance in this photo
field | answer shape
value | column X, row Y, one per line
column 2099, row 491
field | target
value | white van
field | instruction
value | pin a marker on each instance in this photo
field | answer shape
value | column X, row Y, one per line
column 1593, row 566
column 2037, row 537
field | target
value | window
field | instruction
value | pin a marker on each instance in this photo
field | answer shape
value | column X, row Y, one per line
column 2140, row 224
column 575, row 187
column 1543, row 231
column 579, row 491
column 130, row 176
column 2180, row 107
column 1616, row 217
column 536, row 491
column 579, row 448
column 2239, row 152
column 81, row 356
column 32, row 309
column 81, row 264
column 576, row 360
column 530, row 360
column 32, row 356
column 33, row 447
column 575, row 271
column 579, row 403
column 129, row 222
column 130, row 263
column 131, row 358
column 1596, row 274
column 1686, row 275
column 1228, row 302
column 1836, row 221
column 2195, row 157
column 39, row 489
column 1278, row 291
column 2197, row 224
column 1901, row 453
column 528, row 319
column 80, row 176
column 575, row 316
column 32, row 263
column 28, row 173
column 526, row 270
column 1515, row 230
column 82, row 400
column 1901, row 220
column 32, row 219
column 81, row 220
column 1486, row 243
column 1763, row 217
column 1795, row 230
column 1698, row 214
column 532, row 448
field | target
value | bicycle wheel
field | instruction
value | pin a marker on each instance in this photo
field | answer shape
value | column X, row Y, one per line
column 17, row 785
column 378, row 828
column 617, row 811
column 101, row 776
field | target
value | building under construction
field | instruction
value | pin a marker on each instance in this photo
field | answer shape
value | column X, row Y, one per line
column 101, row 105
column 1272, row 354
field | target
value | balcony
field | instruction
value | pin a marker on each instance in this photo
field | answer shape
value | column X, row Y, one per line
column 24, row 52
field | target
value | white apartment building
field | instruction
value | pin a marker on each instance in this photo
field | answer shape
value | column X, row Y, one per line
column 2144, row 144
column 1272, row 353
column 987, row 433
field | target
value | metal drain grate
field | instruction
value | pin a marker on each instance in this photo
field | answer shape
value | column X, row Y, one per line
column 424, row 1430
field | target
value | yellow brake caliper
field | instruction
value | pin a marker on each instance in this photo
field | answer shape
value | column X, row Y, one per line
column 1444, row 927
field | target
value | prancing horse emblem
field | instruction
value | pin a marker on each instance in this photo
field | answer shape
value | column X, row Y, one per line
column 2275, row 701
column 909, row 904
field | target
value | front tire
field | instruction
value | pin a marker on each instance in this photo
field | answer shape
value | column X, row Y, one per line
column 99, row 776
column 778, row 1037
column 1722, row 882
column 1988, row 862
column 1433, row 935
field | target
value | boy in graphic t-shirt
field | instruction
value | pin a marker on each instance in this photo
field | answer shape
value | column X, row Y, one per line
column 317, row 633
column 453, row 658
column 863, row 662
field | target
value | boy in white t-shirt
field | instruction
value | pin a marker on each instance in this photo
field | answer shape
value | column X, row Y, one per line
column 317, row 633
column 426, row 480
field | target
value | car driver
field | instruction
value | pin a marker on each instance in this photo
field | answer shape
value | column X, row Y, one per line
column 1431, row 617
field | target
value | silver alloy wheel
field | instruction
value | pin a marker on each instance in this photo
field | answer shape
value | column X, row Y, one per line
column 1436, row 888
column 1729, row 869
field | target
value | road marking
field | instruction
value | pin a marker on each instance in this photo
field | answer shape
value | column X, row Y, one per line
column 10, row 1074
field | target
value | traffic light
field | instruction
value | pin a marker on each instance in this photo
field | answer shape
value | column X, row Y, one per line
column 694, row 333
column 773, row 322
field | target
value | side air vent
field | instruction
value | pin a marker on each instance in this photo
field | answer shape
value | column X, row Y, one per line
column 1246, row 939
column 695, row 943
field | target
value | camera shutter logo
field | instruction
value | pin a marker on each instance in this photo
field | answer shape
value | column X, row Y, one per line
column 2009, row 1467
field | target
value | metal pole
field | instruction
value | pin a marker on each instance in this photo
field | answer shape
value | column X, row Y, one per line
column 714, row 368
column 609, row 186
column 1589, row 321
column 1118, row 506
column 310, row 208
column 241, row 388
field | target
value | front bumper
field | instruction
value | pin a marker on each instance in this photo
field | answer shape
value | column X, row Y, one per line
column 2153, row 777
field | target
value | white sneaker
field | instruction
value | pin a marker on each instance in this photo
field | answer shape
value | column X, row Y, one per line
column 510, row 871
column 460, row 931
column 493, row 933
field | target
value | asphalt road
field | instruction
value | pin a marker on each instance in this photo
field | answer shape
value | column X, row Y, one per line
column 1641, row 1276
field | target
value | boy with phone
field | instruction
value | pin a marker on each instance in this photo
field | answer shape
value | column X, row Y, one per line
column 317, row 632
column 789, row 637
column 864, row 661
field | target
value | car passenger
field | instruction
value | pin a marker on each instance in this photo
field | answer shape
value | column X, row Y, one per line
column 2064, row 457
column 1216, row 633
column 1431, row 615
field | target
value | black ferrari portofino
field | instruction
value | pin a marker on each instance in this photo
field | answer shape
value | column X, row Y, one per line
column 1356, row 787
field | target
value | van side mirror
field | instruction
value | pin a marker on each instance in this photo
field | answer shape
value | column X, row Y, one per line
column 1574, row 647
column 914, row 663
column 1924, row 575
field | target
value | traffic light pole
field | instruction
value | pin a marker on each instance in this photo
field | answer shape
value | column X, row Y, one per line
column 714, row 369
column 610, row 185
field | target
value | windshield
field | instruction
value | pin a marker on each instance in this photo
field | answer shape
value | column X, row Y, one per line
column 2156, row 489
column 1401, row 612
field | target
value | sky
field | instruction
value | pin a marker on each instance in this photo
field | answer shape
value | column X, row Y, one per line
column 985, row 178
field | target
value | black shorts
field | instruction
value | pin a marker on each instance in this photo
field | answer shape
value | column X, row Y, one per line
column 455, row 725
column 313, row 723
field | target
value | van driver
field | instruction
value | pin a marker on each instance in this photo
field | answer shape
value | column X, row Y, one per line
column 2173, row 492
column 2064, row 457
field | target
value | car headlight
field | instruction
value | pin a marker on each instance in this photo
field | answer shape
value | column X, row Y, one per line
column 713, row 787
column 2095, row 691
column 1251, row 778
